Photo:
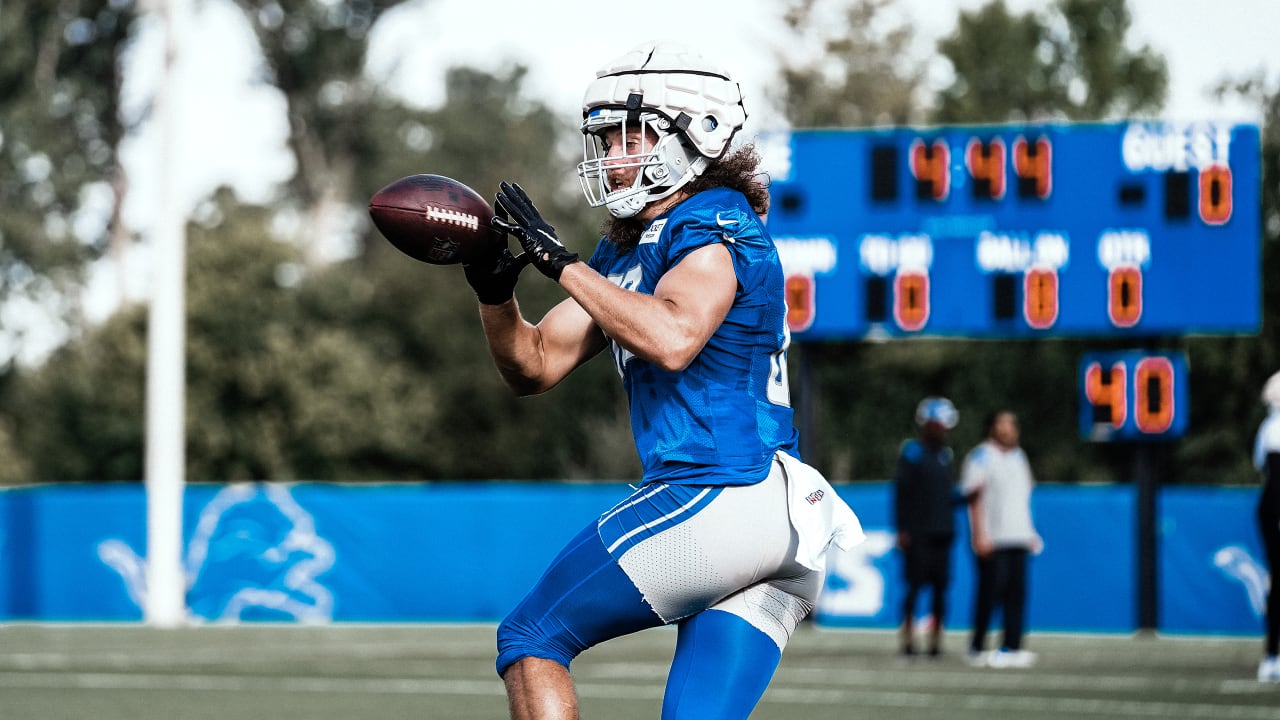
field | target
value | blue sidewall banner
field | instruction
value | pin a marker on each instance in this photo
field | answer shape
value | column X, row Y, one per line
column 467, row 552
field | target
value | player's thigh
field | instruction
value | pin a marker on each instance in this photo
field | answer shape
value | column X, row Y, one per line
column 582, row 599
column 687, row 548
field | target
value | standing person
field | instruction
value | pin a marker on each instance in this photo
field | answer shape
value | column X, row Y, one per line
column 1266, row 457
column 924, row 509
column 727, row 532
column 997, row 481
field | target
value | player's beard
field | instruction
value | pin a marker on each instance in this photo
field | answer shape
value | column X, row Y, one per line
column 624, row 232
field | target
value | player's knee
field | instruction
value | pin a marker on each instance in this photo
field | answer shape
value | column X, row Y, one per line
column 519, row 637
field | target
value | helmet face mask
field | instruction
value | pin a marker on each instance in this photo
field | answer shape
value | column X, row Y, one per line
column 657, row 161
column 687, row 109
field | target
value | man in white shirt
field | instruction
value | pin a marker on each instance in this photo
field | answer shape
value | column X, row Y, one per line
column 997, row 480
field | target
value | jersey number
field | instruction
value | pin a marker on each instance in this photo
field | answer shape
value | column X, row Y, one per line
column 779, row 389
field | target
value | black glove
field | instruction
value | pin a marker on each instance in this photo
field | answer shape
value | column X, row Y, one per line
column 493, row 275
column 538, row 238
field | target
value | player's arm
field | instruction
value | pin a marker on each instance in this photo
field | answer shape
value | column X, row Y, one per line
column 670, row 327
column 530, row 358
column 535, row 358
column 978, row 537
column 973, row 482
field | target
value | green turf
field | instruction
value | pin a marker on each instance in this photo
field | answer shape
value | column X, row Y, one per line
column 98, row 672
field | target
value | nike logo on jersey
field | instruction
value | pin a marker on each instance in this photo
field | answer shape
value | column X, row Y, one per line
column 724, row 223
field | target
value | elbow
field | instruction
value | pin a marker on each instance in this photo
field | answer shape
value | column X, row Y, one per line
column 676, row 355
column 522, row 387
column 521, row 384
column 673, row 362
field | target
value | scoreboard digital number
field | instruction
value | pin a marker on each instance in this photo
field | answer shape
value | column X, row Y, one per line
column 1133, row 395
column 1019, row 231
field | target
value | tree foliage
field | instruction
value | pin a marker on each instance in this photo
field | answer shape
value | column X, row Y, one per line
column 1072, row 62
column 314, row 53
column 864, row 74
column 60, row 128
column 372, row 368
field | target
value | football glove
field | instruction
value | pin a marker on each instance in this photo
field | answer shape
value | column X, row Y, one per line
column 493, row 276
column 536, row 236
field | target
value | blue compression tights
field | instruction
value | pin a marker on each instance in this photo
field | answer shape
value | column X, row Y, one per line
column 584, row 598
column 722, row 663
column 721, row 669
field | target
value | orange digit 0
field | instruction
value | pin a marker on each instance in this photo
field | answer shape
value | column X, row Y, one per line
column 1124, row 296
column 1153, row 395
column 911, row 299
column 1040, row 298
column 800, row 302
column 1215, row 194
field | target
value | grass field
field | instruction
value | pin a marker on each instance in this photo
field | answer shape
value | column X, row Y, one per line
column 104, row 672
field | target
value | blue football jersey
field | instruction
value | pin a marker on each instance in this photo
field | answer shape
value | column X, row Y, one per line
column 720, row 420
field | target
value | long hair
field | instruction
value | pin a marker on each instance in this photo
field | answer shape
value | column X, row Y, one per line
column 736, row 170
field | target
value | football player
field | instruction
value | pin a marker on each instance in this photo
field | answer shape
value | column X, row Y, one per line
column 726, row 534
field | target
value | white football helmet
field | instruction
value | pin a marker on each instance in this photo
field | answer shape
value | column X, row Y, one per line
column 688, row 108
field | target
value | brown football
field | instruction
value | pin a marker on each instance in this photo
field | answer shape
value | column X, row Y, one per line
column 432, row 218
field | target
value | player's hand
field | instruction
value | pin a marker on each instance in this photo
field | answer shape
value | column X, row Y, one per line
column 494, row 275
column 536, row 236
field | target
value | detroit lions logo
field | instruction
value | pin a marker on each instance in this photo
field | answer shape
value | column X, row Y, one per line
column 1236, row 562
column 254, row 555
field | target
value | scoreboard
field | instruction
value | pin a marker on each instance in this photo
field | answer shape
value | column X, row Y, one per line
column 1019, row 231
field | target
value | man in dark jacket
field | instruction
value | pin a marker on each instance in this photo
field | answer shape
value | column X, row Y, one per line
column 924, row 509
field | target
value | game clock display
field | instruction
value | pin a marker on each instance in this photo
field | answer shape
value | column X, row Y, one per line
column 1019, row 231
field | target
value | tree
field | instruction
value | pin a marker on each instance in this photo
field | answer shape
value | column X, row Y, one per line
column 314, row 53
column 351, row 138
column 864, row 74
column 82, row 409
column 60, row 127
column 373, row 368
column 1025, row 67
